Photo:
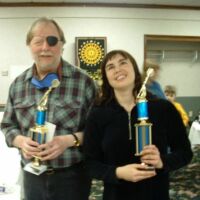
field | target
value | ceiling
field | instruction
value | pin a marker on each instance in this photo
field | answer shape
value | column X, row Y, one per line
column 160, row 4
column 157, row 2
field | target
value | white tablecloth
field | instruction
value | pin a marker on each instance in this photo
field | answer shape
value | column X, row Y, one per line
column 194, row 134
column 9, row 170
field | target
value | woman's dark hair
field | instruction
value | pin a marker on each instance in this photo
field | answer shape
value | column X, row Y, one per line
column 107, row 92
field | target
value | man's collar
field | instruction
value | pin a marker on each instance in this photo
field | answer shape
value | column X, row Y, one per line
column 65, row 69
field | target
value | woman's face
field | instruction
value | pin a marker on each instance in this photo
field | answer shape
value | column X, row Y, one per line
column 120, row 73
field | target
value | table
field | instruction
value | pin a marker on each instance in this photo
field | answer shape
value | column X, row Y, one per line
column 9, row 170
column 13, row 195
column 194, row 134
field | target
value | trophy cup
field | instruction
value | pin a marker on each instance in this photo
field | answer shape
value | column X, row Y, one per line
column 143, row 128
column 40, row 130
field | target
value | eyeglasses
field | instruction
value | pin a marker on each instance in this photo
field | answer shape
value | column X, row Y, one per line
column 51, row 40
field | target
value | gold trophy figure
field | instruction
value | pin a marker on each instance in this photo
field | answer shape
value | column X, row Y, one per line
column 143, row 128
column 39, row 131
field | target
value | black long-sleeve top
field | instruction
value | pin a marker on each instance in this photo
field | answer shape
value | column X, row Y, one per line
column 107, row 146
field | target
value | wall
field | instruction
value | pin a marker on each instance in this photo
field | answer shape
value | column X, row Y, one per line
column 124, row 29
column 191, row 106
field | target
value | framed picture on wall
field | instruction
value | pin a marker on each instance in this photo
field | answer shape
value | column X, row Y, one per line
column 89, row 54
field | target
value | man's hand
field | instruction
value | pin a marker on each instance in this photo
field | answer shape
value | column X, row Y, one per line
column 27, row 145
column 56, row 147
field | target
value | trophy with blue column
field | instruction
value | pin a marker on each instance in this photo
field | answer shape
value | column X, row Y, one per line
column 39, row 131
column 143, row 128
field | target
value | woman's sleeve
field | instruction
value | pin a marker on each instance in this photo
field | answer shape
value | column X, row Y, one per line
column 180, row 152
column 93, row 152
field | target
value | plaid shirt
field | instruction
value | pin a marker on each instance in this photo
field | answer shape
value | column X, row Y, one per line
column 67, row 108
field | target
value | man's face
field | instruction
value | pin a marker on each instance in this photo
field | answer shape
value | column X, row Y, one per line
column 46, row 48
column 155, row 74
column 170, row 96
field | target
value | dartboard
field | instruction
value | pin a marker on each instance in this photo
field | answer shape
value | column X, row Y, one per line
column 91, row 53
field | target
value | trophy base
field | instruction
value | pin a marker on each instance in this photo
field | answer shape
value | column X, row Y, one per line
column 37, row 170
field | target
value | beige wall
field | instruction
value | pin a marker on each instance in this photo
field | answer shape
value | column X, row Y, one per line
column 124, row 29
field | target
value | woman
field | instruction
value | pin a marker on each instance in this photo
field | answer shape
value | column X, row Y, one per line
column 109, row 142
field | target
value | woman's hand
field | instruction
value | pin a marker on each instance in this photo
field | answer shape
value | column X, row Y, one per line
column 134, row 172
column 150, row 155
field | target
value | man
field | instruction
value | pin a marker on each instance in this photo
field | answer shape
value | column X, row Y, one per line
column 153, row 85
column 170, row 93
column 67, row 108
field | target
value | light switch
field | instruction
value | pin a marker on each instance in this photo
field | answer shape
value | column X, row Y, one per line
column 4, row 73
column 190, row 113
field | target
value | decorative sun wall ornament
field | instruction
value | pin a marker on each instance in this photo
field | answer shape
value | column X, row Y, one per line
column 90, row 52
